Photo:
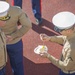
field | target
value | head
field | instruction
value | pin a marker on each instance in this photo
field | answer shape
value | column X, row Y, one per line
column 4, row 16
column 64, row 22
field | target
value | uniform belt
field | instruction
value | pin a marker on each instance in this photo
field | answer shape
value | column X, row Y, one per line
column 69, row 72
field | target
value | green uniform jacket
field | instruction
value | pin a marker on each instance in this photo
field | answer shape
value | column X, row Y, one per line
column 11, row 26
column 67, row 60
column 3, row 52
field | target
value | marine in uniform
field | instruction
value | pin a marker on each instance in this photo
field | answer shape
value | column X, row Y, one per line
column 4, row 7
column 14, row 37
column 64, row 21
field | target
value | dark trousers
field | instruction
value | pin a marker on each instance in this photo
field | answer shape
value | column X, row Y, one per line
column 62, row 73
column 15, row 53
column 2, row 71
column 18, row 3
column 36, row 7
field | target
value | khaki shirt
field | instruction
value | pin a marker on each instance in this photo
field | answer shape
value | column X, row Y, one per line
column 3, row 53
column 67, row 61
column 11, row 26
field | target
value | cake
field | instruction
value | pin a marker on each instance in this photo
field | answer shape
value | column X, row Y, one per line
column 41, row 48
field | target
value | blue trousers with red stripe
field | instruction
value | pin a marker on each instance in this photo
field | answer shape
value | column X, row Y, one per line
column 15, row 53
column 18, row 3
column 36, row 7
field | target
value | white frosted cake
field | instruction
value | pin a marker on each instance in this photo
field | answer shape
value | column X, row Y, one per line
column 40, row 48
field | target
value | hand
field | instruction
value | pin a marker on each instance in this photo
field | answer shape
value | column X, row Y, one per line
column 44, row 37
column 44, row 54
column 8, row 38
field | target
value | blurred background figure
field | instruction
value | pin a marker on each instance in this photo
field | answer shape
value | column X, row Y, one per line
column 17, row 3
column 36, row 7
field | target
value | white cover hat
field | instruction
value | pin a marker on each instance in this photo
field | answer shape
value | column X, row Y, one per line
column 64, row 20
column 4, row 7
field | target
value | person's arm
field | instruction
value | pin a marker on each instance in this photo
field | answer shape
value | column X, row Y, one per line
column 25, row 25
column 67, row 64
column 57, row 39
